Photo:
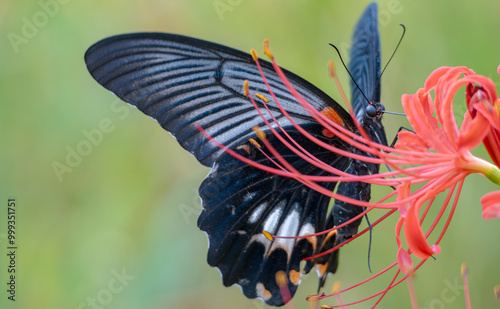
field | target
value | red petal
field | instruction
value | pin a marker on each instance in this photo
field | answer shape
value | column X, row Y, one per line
column 474, row 133
column 491, row 205
column 411, row 141
column 415, row 237
column 492, row 145
column 419, row 109
column 489, row 111
column 434, row 77
column 403, row 191
column 404, row 261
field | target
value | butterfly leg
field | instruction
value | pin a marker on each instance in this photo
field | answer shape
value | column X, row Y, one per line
column 395, row 140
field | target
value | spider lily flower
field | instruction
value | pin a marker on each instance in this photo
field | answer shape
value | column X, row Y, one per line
column 436, row 132
column 440, row 155
column 436, row 158
column 483, row 104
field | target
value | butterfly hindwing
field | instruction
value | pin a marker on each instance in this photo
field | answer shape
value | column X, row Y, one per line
column 181, row 81
column 240, row 202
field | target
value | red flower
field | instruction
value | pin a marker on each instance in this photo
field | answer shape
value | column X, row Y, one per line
column 491, row 205
column 436, row 133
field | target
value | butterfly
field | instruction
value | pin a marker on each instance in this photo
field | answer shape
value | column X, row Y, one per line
column 182, row 82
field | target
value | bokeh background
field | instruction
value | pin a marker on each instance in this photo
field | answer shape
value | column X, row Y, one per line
column 128, row 208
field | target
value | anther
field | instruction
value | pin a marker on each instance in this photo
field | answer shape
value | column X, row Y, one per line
column 260, row 96
column 245, row 87
column 254, row 142
column 268, row 235
column 260, row 134
column 254, row 54
column 266, row 49
column 331, row 68
column 281, row 278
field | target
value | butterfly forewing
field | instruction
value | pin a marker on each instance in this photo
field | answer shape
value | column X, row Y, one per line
column 181, row 81
column 365, row 61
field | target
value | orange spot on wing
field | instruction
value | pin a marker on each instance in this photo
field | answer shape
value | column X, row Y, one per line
column 263, row 292
column 313, row 241
column 330, row 113
column 294, row 277
column 321, row 269
column 330, row 235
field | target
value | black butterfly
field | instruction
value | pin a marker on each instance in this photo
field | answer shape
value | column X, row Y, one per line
column 181, row 81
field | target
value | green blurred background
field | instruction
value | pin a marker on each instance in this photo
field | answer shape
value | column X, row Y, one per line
column 130, row 205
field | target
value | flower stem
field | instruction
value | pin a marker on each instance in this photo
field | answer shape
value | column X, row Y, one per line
column 478, row 165
column 465, row 276
column 411, row 292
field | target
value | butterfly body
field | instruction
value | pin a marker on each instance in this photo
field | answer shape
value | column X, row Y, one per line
column 182, row 82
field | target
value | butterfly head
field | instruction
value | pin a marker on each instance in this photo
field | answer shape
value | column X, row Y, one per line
column 374, row 110
column 372, row 122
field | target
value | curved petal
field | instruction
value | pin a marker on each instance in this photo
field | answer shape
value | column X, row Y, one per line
column 404, row 260
column 432, row 80
column 492, row 145
column 411, row 141
column 489, row 112
column 474, row 133
column 419, row 110
column 403, row 191
column 491, row 205
column 415, row 237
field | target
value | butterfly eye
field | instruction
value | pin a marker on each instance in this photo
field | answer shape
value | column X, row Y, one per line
column 374, row 110
column 371, row 111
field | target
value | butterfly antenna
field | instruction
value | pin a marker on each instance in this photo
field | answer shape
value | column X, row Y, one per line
column 393, row 113
column 352, row 78
column 393, row 53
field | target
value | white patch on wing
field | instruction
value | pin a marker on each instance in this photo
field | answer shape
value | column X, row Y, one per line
column 273, row 218
column 261, row 238
column 307, row 229
column 257, row 213
column 249, row 196
column 215, row 167
column 269, row 225
column 289, row 227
